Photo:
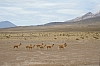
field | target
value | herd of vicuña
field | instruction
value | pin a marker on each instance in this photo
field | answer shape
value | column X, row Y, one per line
column 42, row 46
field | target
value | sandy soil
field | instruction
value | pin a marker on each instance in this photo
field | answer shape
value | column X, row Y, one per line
column 84, row 52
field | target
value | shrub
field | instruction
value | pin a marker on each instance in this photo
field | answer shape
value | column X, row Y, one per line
column 77, row 39
column 82, row 37
column 55, row 38
column 96, row 37
column 7, row 36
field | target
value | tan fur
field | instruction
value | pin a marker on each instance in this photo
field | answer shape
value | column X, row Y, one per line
column 30, row 46
column 50, row 46
column 41, row 47
column 16, row 46
column 62, row 46
column 38, row 45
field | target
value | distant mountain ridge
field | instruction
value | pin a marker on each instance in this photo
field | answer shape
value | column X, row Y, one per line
column 6, row 24
column 86, row 16
column 88, row 21
column 82, row 18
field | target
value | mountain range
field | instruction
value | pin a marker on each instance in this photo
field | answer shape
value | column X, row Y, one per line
column 87, row 22
column 88, row 15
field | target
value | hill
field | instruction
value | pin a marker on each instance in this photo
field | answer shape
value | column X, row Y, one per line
column 6, row 24
column 90, row 24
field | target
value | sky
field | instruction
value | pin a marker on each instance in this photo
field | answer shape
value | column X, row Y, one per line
column 37, row 12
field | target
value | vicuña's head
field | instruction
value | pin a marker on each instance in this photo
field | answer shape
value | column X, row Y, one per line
column 65, row 44
column 53, row 45
column 42, row 43
column 33, row 45
column 20, row 44
column 30, row 44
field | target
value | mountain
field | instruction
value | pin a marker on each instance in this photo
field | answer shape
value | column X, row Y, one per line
column 6, row 24
column 82, row 19
column 90, row 24
column 87, row 22
column 86, row 16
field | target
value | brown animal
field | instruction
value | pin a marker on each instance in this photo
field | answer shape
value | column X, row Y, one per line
column 38, row 45
column 62, row 46
column 30, row 46
column 42, row 47
column 65, row 44
column 16, row 46
column 27, row 46
column 50, row 46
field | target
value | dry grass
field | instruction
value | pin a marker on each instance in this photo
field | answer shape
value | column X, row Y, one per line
column 82, row 52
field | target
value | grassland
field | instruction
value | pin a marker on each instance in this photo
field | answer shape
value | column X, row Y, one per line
column 83, row 48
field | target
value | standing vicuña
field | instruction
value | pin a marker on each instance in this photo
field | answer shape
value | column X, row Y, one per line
column 38, row 45
column 50, row 46
column 16, row 46
column 30, row 46
column 62, row 46
column 42, row 47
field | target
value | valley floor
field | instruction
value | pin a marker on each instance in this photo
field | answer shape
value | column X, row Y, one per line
column 83, row 49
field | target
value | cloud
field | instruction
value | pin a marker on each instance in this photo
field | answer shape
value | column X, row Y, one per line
column 16, row 10
column 43, row 11
column 70, row 11
column 28, row 3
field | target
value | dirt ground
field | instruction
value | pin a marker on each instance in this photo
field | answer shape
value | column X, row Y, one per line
column 84, row 52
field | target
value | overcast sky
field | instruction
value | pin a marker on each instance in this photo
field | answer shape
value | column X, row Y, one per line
column 36, row 12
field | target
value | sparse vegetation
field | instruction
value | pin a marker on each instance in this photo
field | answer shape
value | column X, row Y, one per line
column 81, row 48
column 82, row 37
column 96, row 37
column 49, row 35
column 77, row 39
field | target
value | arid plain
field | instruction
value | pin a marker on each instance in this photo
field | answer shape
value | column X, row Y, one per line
column 83, row 48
